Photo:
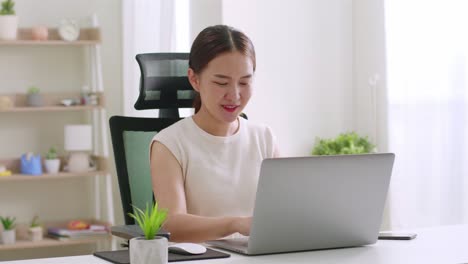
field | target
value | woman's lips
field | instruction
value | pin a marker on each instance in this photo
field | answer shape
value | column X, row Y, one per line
column 230, row 108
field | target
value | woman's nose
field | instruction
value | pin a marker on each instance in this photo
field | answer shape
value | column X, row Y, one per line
column 233, row 93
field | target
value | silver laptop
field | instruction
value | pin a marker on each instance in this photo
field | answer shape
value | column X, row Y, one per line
column 317, row 202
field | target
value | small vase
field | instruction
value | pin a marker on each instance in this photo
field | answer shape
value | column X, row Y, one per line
column 9, row 237
column 40, row 33
column 35, row 99
column 8, row 27
column 36, row 233
column 152, row 251
column 52, row 166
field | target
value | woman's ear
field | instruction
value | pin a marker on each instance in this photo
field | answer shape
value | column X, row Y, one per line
column 193, row 79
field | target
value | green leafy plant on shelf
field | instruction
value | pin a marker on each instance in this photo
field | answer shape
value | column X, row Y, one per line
column 35, row 222
column 7, row 8
column 8, row 222
column 33, row 90
column 151, row 220
column 345, row 143
column 51, row 154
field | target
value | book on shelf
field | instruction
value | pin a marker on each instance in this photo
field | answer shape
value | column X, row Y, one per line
column 93, row 231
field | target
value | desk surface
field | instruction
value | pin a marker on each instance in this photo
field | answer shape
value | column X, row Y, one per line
column 447, row 244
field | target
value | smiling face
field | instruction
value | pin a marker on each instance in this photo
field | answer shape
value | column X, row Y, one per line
column 224, row 86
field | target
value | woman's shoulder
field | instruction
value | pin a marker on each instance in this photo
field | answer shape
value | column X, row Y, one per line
column 173, row 130
column 257, row 128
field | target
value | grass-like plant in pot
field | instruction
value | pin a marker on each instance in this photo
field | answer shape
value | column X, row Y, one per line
column 9, row 232
column 52, row 162
column 345, row 143
column 34, row 96
column 150, row 248
column 8, row 21
column 35, row 229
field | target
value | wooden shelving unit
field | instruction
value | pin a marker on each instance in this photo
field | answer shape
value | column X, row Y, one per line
column 89, row 40
column 88, row 36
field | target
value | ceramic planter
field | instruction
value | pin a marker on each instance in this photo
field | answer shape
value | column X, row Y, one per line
column 152, row 251
column 8, row 27
column 9, row 237
column 52, row 166
column 35, row 99
column 36, row 233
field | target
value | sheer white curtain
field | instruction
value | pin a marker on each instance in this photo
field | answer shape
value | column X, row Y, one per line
column 427, row 54
column 150, row 26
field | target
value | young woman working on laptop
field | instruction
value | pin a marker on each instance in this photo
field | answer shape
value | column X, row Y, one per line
column 205, row 167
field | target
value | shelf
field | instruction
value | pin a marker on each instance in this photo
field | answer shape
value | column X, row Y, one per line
column 51, row 103
column 22, row 241
column 88, row 36
column 14, row 165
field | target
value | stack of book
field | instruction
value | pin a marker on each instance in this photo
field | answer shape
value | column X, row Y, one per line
column 94, row 231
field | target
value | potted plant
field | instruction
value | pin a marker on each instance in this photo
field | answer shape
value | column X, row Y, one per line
column 345, row 143
column 150, row 248
column 8, row 21
column 9, row 232
column 35, row 230
column 52, row 162
column 34, row 96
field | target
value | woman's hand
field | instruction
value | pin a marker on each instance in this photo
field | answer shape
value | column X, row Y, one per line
column 242, row 225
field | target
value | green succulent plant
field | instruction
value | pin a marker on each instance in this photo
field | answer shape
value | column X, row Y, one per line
column 345, row 143
column 33, row 90
column 8, row 222
column 151, row 220
column 7, row 8
column 51, row 154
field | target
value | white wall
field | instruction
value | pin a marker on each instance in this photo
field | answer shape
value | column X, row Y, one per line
column 54, row 68
column 204, row 13
column 303, row 83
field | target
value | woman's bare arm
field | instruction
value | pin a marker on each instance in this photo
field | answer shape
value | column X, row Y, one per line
column 168, row 186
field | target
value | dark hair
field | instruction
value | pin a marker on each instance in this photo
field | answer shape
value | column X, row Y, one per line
column 213, row 41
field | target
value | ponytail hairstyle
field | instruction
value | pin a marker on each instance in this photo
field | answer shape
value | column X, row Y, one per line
column 214, row 41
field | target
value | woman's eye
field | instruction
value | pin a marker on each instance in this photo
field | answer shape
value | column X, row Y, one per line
column 244, row 84
column 221, row 83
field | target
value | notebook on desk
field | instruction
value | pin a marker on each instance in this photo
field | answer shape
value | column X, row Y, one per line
column 318, row 202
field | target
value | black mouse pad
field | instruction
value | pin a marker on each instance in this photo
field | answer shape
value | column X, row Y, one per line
column 122, row 256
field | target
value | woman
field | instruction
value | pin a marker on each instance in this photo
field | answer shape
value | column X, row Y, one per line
column 205, row 167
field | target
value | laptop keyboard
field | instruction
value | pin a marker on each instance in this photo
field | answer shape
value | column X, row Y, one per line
column 237, row 242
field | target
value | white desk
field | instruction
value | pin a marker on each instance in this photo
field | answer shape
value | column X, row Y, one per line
column 447, row 244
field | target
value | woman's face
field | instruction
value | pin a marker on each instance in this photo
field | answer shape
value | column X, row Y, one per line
column 224, row 85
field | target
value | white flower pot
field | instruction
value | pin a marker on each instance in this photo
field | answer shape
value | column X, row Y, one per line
column 36, row 233
column 8, row 27
column 9, row 237
column 144, row 251
column 52, row 166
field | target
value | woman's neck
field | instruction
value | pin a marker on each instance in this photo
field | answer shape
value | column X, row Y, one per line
column 209, row 124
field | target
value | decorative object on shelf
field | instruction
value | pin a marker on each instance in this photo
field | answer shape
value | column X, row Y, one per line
column 6, row 103
column 77, row 225
column 9, row 232
column 40, row 33
column 36, row 232
column 67, row 102
column 52, row 162
column 82, row 230
column 31, row 164
column 69, row 30
column 34, row 96
column 78, row 141
column 4, row 171
column 345, row 143
column 8, row 21
column 150, row 248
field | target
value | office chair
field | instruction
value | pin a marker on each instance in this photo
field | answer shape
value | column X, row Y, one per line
column 131, row 137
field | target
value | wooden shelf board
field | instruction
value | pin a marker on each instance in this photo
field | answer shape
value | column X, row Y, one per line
column 60, row 175
column 88, row 36
column 50, row 242
column 57, row 108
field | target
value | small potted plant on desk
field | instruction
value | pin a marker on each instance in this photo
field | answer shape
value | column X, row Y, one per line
column 35, row 230
column 52, row 162
column 9, row 232
column 150, row 248
column 8, row 21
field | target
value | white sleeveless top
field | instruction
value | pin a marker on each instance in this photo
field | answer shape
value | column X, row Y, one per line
column 220, row 173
